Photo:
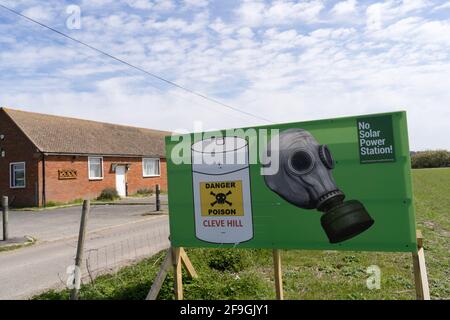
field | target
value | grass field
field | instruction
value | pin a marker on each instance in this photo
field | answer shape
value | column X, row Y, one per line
column 248, row 274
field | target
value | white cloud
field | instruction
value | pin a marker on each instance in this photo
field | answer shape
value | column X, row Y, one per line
column 374, row 17
column 111, row 24
column 140, row 4
column 381, row 13
column 418, row 31
column 246, row 32
column 344, row 8
column 408, row 6
column 96, row 3
column 199, row 23
column 272, row 59
column 164, row 5
column 156, row 5
column 443, row 6
column 255, row 13
column 39, row 13
column 196, row 3
column 251, row 13
column 220, row 27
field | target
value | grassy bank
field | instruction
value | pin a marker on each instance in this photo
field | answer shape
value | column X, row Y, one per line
column 248, row 274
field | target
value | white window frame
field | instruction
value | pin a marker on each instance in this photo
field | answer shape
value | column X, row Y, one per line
column 11, row 172
column 154, row 175
column 101, row 167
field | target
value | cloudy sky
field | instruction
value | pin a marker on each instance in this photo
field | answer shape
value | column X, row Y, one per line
column 279, row 59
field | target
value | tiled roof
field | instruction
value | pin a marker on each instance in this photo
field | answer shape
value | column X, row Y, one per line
column 55, row 134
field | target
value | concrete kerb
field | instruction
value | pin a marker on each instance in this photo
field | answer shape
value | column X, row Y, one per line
column 17, row 242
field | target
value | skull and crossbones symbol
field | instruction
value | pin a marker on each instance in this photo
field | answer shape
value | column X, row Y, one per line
column 221, row 198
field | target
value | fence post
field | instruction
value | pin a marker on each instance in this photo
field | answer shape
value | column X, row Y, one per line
column 80, row 248
column 158, row 201
column 5, row 217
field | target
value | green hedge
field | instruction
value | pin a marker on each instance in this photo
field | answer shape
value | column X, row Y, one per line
column 430, row 159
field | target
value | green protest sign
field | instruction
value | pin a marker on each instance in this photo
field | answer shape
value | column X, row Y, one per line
column 334, row 184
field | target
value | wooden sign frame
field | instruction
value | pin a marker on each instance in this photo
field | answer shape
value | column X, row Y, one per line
column 177, row 257
column 420, row 270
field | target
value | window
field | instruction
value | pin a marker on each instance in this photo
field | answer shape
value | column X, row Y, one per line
column 150, row 167
column 95, row 168
column 17, row 174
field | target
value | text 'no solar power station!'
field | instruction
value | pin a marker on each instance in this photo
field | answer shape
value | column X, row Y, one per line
column 334, row 184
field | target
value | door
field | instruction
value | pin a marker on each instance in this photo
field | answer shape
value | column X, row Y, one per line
column 121, row 181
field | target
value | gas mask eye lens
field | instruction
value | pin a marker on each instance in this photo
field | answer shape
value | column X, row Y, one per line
column 301, row 162
column 326, row 157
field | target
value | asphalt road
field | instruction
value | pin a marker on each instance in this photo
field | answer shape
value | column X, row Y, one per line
column 116, row 236
column 54, row 224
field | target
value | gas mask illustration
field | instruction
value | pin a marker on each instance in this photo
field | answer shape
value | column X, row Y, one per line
column 305, row 180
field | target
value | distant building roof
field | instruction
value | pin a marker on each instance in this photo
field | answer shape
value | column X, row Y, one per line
column 55, row 134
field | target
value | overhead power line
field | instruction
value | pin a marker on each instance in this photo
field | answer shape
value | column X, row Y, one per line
column 136, row 67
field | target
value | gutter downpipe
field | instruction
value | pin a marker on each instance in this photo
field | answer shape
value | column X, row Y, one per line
column 44, row 200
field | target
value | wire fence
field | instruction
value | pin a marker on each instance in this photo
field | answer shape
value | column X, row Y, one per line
column 101, row 256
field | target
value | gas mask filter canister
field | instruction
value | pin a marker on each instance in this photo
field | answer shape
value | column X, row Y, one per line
column 305, row 180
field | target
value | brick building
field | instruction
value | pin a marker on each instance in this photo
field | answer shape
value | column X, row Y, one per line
column 47, row 158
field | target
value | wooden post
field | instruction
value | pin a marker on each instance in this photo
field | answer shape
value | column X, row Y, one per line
column 188, row 264
column 160, row 277
column 278, row 274
column 158, row 201
column 420, row 270
column 178, row 279
column 80, row 248
column 5, row 217
column 177, row 257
